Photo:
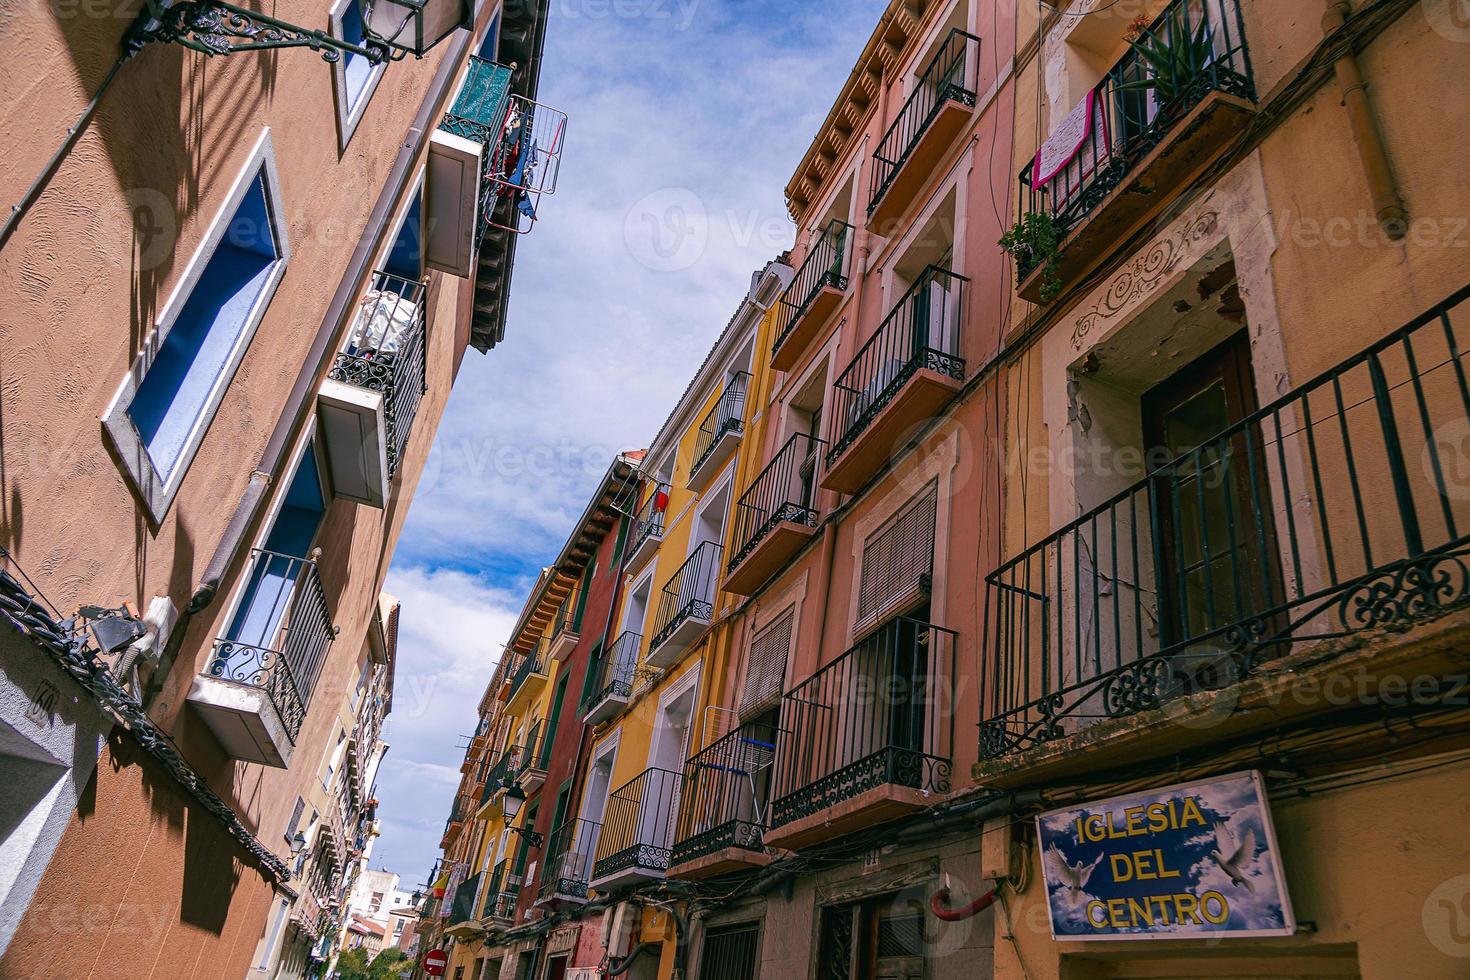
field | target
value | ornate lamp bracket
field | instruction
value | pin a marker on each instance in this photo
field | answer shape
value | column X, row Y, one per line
column 216, row 27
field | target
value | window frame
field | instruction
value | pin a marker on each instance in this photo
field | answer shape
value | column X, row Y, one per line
column 157, row 491
column 348, row 116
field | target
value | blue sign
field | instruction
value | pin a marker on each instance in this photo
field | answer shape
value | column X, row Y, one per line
column 1197, row 859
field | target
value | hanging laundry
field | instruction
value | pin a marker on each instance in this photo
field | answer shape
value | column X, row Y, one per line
column 1065, row 146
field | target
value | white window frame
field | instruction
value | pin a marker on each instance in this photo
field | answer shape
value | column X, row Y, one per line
column 348, row 117
column 157, row 492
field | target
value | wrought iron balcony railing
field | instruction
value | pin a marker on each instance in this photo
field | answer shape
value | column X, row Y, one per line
column 947, row 78
column 826, row 266
column 386, row 354
column 649, row 523
column 566, row 616
column 1131, row 120
column 280, row 635
column 921, row 332
column 569, row 858
column 726, row 415
column 1340, row 507
column 638, row 826
column 479, row 114
column 530, row 754
column 498, row 777
column 531, row 663
column 689, row 594
column 784, row 491
column 726, row 794
column 616, row 669
column 879, row 715
column 501, row 903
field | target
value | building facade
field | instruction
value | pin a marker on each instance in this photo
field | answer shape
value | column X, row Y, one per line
column 244, row 282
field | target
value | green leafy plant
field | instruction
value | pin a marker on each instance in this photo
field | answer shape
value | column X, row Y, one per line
column 1173, row 58
column 1033, row 241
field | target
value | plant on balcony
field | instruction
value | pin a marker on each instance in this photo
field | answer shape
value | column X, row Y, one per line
column 1173, row 60
column 1033, row 242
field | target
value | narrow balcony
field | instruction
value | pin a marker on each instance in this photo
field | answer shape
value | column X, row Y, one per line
column 867, row 738
column 368, row 402
column 569, row 859
column 255, row 692
column 498, row 778
column 776, row 516
column 503, row 895
column 532, row 667
column 686, row 605
column 614, row 685
column 719, row 433
column 906, row 372
column 813, row 295
column 566, row 629
column 529, row 759
column 928, row 124
column 463, row 920
column 1140, row 136
column 725, row 804
column 648, row 527
column 461, row 155
column 637, row 830
column 1309, row 544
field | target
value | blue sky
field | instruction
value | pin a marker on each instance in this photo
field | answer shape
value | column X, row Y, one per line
column 687, row 119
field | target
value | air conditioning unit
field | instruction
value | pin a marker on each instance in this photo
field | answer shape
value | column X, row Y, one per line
column 617, row 930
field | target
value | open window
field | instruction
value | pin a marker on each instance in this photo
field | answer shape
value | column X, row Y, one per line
column 354, row 78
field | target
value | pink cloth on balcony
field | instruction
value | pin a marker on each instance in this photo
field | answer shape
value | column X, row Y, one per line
column 1064, row 145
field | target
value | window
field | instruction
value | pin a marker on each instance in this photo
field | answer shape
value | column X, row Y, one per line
column 898, row 559
column 406, row 254
column 268, row 946
column 730, row 953
column 765, row 667
column 333, row 760
column 876, row 938
column 490, row 46
column 159, row 415
column 295, row 822
column 353, row 77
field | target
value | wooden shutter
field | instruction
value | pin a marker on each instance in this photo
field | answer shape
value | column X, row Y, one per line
column 898, row 556
column 765, row 668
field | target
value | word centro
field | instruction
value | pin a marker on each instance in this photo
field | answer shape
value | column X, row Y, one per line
column 1158, row 910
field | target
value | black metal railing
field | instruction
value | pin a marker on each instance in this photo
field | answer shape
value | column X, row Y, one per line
column 570, row 851
column 279, row 636
column 386, row 353
column 879, row 715
column 726, row 415
column 649, row 522
column 948, row 77
column 466, row 896
column 921, row 331
column 498, row 777
column 531, row 663
column 1342, row 506
column 1131, row 120
column 826, row 266
column 616, row 669
column 502, row 900
column 528, row 755
column 689, row 594
column 478, row 114
column 784, row 491
column 726, row 794
column 567, row 621
column 638, row 825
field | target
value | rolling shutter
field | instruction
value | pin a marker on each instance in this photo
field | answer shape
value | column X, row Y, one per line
column 765, row 669
column 898, row 557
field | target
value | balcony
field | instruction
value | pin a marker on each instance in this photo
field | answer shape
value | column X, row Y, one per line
column 776, row 516
column 906, row 372
column 616, row 673
column 1313, row 539
column 531, row 669
column 463, row 920
column 1148, row 137
column 686, row 606
column 260, row 679
column 725, row 804
column 637, row 830
column 528, row 760
column 719, row 433
column 569, row 858
column 502, row 895
column 368, row 402
column 648, row 527
column 460, row 158
column 813, row 295
column 867, row 738
column 566, row 629
column 927, row 126
column 498, row 778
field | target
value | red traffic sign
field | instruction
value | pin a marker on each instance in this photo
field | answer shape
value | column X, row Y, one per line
column 436, row 961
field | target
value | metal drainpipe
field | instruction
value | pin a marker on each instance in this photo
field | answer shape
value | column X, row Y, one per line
column 1388, row 206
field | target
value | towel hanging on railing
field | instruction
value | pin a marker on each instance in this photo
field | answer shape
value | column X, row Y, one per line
column 1065, row 144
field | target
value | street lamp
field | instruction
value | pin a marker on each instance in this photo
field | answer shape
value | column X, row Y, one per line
column 297, row 843
column 511, row 803
column 392, row 29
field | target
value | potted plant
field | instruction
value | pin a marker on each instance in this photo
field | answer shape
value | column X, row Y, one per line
column 1172, row 59
column 1033, row 243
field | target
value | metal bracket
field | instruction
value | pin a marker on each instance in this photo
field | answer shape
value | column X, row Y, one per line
column 214, row 27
